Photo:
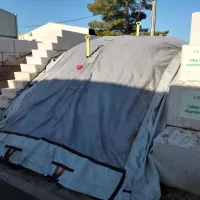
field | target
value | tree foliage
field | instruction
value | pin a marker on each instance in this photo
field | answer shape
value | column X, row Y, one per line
column 119, row 17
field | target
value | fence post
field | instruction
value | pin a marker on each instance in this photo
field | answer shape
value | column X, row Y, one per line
column 87, row 37
column 138, row 28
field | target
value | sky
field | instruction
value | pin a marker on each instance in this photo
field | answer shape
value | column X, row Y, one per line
column 172, row 15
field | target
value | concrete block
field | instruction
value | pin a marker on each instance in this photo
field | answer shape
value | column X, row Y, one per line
column 16, row 84
column 32, row 68
column 190, row 63
column 4, row 101
column 44, row 53
column 3, row 84
column 8, row 72
column 13, row 59
column 24, row 46
column 75, row 29
column 176, row 153
column 10, row 92
column 37, row 60
column 51, row 38
column 184, row 105
column 40, row 33
column 43, row 33
column 69, row 40
column 195, row 29
column 25, row 76
column 7, row 45
column 45, row 46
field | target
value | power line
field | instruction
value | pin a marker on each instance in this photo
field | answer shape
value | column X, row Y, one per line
column 71, row 20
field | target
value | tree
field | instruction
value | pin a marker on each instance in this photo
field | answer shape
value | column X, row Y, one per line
column 119, row 17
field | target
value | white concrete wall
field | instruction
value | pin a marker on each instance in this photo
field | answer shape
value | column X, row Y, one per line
column 70, row 39
column 40, row 33
column 12, row 52
column 190, row 63
column 195, row 29
column 184, row 105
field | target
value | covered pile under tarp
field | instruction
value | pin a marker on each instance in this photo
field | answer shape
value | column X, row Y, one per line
column 92, row 129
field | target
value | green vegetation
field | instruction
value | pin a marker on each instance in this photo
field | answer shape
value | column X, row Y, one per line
column 119, row 17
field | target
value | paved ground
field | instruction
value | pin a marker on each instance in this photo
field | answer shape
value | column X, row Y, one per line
column 23, row 184
column 176, row 194
column 8, row 192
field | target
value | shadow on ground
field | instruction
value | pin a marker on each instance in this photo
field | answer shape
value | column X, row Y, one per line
column 176, row 194
column 9, row 192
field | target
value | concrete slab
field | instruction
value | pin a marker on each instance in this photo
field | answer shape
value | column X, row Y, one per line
column 37, row 60
column 24, row 76
column 8, row 72
column 184, row 105
column 24, row 46
column 4, row 101
column 11, row 93
column 42, row 32
column 190, row 63
column 176, row 153
column 69, row 40
column 6, row 45
column 46, row 46
column 17, row 84
column 32, row 68
column 44, row 53
column 13, row 59
column 12, row 51
column 195, row 29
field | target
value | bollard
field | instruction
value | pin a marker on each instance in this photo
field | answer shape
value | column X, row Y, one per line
column 87, row 37
column 138, row 28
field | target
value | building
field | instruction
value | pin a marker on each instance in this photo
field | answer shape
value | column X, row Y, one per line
column 8, row 24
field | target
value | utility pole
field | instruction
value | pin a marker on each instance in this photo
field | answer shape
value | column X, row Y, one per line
column 153, row 17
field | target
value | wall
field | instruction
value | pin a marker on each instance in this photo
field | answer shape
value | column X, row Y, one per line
column 8, row 24
column 13, row 52
column 55, row 29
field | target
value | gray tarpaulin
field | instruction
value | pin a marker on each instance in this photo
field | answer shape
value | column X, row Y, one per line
column 98, row 121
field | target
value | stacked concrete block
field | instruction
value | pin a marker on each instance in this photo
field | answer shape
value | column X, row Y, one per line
column 25, row 73
column 6, row 73
column 176, row 150
column 34, row 65
column 184, row 105
column 53, row 39
column 176, row 153
column 190, row 63
column 184, row 98
column 13, row 52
